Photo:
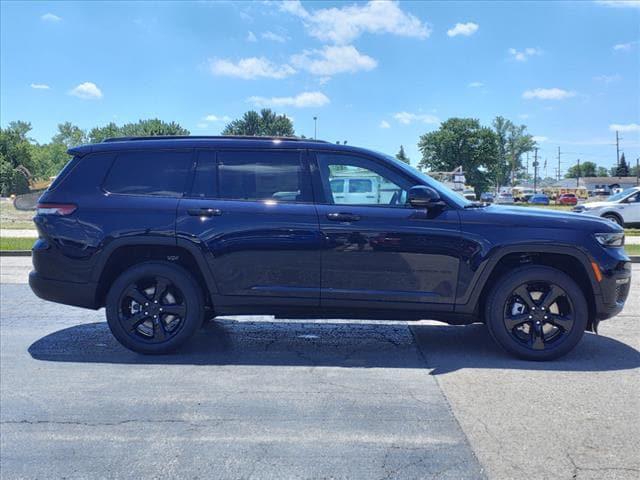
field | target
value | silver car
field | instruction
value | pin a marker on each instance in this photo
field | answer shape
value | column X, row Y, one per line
column 622, row 208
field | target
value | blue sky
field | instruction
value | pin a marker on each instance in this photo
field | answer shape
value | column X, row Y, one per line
column 377, row 74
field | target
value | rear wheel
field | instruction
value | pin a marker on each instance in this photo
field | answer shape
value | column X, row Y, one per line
column 154, row 307
column 614, row 218
column 537, row 313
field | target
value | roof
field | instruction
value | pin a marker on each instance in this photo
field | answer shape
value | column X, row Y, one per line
column 135, row 143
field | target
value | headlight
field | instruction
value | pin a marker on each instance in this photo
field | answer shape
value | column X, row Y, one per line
column 610, row 239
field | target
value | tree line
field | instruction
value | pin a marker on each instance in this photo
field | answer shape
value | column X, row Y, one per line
column 490, row 156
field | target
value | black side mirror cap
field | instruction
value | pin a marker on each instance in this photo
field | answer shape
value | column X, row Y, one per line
column 422, row 196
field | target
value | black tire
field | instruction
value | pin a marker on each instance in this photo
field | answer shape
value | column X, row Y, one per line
column 154, row 307
column 614, row 218
column 532, row 328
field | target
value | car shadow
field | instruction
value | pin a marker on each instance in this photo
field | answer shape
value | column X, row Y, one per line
column 440, row 348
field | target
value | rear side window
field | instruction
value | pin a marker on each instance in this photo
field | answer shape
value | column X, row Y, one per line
column 205, row 179
column 149, row 172
column 262, row 175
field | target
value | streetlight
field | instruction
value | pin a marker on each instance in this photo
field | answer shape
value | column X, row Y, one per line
column 315, row 128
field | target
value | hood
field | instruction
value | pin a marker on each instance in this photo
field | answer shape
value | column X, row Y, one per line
column 546, row 218
column 597, row 204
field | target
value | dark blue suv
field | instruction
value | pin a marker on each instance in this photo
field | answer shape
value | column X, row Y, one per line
column 168, row 232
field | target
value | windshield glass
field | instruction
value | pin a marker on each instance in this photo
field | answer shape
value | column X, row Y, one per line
column 455, row 197
column 622, row 195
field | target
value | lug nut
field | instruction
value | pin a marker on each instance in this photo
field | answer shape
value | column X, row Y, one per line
column 146, row 313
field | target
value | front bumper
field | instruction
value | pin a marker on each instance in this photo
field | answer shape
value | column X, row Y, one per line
column 614, row 290
column 68, row 293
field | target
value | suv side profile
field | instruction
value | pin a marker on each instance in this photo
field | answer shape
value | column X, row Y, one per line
column 168, row 232
column 622, row 208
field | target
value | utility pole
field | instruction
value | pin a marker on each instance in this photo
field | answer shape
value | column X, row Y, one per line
column 578, row 177
column 315, row 128
column 558, row 163
column 637, row 171
column 535, row 170
column 527, row 164
column 617, row 149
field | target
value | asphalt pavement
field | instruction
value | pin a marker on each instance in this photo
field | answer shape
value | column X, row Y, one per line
column 254, row 397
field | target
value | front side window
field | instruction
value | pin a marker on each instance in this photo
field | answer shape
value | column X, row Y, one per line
column 367, row 182
column 149, row 172
column 262, row 175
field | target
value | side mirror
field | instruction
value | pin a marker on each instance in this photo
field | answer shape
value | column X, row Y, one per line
column 422, row 196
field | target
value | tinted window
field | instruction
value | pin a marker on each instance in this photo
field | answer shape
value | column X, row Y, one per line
column 148, row 172
column 268, row 175
column 337, row 186
column 360, row 186
column 205, row 182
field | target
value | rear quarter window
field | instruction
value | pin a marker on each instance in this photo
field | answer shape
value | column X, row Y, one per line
column 149, row 172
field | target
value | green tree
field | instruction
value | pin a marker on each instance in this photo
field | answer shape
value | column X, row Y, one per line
column 403, row 156
column 16, row 162
column 266, row 123
column 69, row 135
column 586, row 169
column 98, row 134
column 513, row 142
column 48, row 159
column 622, row 170
column 142, row 128
column 602, row 172
column 461, row 142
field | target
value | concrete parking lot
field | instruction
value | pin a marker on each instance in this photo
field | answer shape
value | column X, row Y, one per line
column 254, row 397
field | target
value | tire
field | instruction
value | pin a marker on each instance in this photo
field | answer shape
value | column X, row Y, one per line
column 614, row 218
column 532, row 328
column 154, row 307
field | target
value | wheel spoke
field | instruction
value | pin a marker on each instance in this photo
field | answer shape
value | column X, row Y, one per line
column 551, row 296
column 565, row 322
column 131, row 323
column 524, row 294
column 135, row 294
column 537, row 337
column 160, row 289
column 514, row 320
column 178, row 310
column 159, row 333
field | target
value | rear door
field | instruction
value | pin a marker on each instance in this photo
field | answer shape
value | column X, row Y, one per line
column 252, row 215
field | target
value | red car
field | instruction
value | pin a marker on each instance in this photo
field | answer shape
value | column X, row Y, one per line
column 567, row 199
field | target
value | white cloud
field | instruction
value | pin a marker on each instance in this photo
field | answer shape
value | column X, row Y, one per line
column 629, row 127
column 384, row 124
column 274, row 37
column 548, row 94
column 86, row 91
column 407, row 118
column 249, row 68
column 251, row 37
column 50, row 17
column 524, row 55
column 215, row 118
column 465, row 29
column 540, row 139
column 302, row 100
column 624, row 47
column 620, row 3
column 40, row 86
column 333, row 59
column 345, row 24
column 607, row 79
column 476, row 85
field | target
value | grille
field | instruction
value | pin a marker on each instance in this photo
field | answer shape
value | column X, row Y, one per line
column 622, row 291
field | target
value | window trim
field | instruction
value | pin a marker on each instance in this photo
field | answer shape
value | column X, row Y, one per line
column 146, row 195
column 321, row 199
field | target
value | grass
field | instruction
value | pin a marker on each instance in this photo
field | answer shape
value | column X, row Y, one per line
column 16, row 243
column 632, row 249
column 12, row 219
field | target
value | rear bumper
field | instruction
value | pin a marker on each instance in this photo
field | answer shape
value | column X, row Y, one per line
column 68, row 293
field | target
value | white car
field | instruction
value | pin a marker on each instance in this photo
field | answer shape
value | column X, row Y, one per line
column 504, row 198
column 622, row 208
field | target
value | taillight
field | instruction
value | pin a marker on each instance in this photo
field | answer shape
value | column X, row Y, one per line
column 60, row 209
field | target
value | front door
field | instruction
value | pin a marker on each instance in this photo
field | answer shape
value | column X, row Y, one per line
column 380, row 252
column 252, row 214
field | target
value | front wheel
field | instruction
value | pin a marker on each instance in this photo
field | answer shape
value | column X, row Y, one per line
column 537, row 313
column 154, row 307
column 614, row 218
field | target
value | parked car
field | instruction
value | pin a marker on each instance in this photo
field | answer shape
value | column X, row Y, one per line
column 622, row 208
column 539, row 199
column 567, row 199
column 469, row 194
column 504, row 198
column 487, row 197
column 168, row 232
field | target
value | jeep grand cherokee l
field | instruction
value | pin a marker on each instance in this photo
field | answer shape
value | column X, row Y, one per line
column 167, row 232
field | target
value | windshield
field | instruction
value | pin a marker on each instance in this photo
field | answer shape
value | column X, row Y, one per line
column 454, row 197
column 622, row 195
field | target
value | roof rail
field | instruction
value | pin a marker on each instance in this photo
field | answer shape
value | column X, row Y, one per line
column 209, row 137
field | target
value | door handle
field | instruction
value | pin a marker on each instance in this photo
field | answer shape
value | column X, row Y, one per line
column 343, row 217
column 204, row 212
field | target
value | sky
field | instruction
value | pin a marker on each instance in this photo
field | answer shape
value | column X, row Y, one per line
column 376, row 74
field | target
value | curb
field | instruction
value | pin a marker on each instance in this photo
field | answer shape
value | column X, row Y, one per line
column 27, row 253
